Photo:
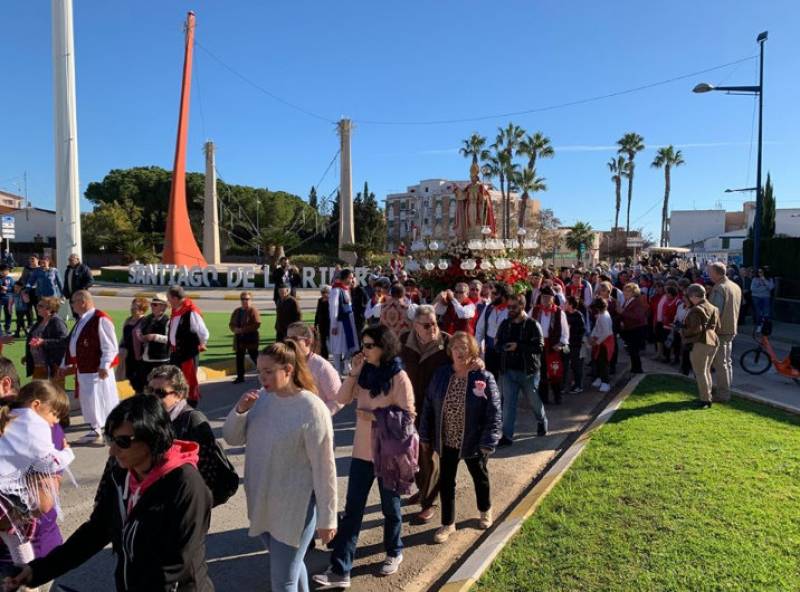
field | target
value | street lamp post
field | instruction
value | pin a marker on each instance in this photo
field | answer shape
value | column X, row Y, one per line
column 704, row 87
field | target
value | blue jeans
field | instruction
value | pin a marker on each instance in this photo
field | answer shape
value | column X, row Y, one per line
column 362, row 474
column 287, row 570
column 512, row 382
column 762, row 306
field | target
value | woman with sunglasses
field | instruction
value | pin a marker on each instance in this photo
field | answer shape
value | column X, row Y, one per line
column 376, row 381
column 290, row 470
column 154, row 510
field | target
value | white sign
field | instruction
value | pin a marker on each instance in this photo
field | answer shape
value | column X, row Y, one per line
column 242, row 276
column 635, row 242
column 7, row 226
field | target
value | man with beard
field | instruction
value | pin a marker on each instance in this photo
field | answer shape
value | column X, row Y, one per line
column 520, row 344
column 486, row 330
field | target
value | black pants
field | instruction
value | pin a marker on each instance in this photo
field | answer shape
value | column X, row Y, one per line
column 601, row 365
column 634, row 342
column 574, row 363
column 253, row 353
column 22, row 323
column 448, row 468
column 547, row 385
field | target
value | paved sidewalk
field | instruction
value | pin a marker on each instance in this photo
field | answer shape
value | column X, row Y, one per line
column 237, row 562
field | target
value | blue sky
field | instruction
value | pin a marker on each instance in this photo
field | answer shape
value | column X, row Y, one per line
column 412, row 61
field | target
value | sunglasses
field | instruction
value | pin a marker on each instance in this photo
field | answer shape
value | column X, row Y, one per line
column 369, row 345
column 123, row 442
column 159, row 392
column 427, row 326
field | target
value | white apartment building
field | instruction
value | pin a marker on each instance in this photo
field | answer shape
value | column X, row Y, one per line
column 717, row 232
column 428, row 210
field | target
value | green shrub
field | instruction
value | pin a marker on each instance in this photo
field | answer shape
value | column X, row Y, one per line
column 781, row 254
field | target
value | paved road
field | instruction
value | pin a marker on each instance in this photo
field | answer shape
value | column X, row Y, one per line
column 237, row 562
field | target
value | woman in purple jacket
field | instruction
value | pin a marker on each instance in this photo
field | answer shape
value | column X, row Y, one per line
column 461, row 419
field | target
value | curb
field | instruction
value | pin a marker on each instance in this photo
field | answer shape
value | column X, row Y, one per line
column 481, row 557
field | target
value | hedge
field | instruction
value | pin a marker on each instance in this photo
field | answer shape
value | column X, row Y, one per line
column 781, row 254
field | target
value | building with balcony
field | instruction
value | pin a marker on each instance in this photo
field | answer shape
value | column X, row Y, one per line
column 428, row 210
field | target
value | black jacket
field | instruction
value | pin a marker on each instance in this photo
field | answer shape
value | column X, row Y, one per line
column 577, row 328
column 81, row 280
column 161, row 546
column 55, row 344
column 529, row 346
column 482, row 416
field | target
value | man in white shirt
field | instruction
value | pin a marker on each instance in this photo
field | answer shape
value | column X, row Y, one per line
column 455, row 310
column 488, row 323
column 555, row 330
column 188, row 336
column 91, row 354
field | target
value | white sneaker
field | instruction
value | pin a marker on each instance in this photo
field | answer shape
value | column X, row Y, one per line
column 331, row 581
column 597, row 383
column 605, row 387
column 391, row 565
column 486, row 519
column 443, row 533
column 91, row 437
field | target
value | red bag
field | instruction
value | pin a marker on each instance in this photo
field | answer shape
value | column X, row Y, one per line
column 555, row 366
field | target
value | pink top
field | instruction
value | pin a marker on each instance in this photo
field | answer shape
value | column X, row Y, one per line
column 401, row 395
column 327, row 380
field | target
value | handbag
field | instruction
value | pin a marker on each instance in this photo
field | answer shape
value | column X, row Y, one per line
column 555, row 366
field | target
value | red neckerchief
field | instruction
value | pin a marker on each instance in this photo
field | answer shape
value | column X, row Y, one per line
column 541, row 308
column 341, row 285
column 500, row 306
column 186, row 306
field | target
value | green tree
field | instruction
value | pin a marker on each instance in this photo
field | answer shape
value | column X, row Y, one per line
column 473, row 147
column 547, row 232
column 619, row 169
column 505, row 149
column 767, row 211
column 113, row 228
column 535, row 146
column 370, row 226
column 667, row 158
column 580, row 238
column 313, row 202
column 528, row 183
column 629, row 145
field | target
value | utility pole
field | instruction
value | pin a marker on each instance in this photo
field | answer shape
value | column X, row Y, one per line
column 210, row 210
column 347, row 235
column 68, row 218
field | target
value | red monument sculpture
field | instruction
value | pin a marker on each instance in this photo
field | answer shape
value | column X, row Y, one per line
column 180, row 246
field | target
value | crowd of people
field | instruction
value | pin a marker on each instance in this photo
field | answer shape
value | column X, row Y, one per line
column 435, row 379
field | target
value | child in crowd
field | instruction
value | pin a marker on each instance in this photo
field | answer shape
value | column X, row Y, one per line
column 21, row 306
column 577, row 329
column 29, row 463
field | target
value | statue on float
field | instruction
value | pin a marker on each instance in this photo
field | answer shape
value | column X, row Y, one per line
column 474, row 208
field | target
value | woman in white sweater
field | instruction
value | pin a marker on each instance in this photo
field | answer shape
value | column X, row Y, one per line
column 603, row 343
column 290, row 471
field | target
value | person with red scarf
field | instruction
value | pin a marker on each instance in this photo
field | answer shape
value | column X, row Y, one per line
column 579, row 288
column 188, row 336
column 92, row 353
column 555, row 330
column 455, row 310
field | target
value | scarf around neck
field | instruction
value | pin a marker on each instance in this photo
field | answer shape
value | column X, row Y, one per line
column 186, row 306
column 378, row 379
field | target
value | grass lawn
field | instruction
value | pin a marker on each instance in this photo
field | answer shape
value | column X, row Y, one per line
column 668, row 497
column 220, row 346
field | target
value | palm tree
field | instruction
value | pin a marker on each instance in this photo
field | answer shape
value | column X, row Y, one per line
column 505, row 145
column 528, row 183
column 535, row 146
column 474, row 147
column 629, row 145
column 580, row 237
column 666, row 158
column 619, row 169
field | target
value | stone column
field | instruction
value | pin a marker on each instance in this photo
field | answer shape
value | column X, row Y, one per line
column 210, row 210
column 347, row 234
column 68, row 211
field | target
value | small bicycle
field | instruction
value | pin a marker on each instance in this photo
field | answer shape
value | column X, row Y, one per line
column 759, row 359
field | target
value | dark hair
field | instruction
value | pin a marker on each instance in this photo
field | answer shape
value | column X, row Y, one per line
column 151, row 423
column 3, row 267
column 345, row 273
column 501, row 290
column 386, row 339
column 672, row 290
column 572, row 301
column 7, row 369
column 37, row 390
column 397, row 291
column 599, row 305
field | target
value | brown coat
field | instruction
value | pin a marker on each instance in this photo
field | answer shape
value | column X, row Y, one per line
column 700, row 325
column 248, row 338
column 633, row 315
column 420, row 367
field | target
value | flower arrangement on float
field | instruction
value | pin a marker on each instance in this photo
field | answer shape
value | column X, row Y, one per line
column 438, row 268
